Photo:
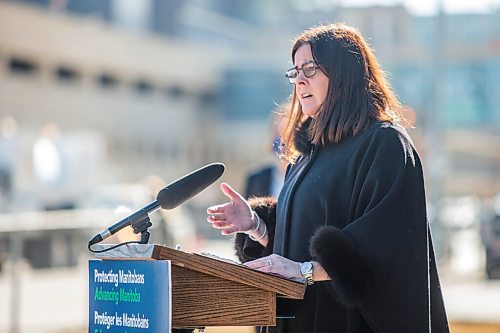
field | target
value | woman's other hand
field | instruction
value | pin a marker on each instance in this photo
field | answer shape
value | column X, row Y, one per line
column 231, row 217
column 286, row 268
column 278, row 265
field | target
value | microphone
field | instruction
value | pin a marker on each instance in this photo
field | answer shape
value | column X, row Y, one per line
column 169, row 197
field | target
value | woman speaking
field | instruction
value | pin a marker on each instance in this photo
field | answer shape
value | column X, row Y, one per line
column 351, row 217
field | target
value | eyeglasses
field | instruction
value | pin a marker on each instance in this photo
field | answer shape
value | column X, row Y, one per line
column 309, row 70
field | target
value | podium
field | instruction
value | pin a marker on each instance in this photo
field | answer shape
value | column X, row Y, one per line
column 209, row 291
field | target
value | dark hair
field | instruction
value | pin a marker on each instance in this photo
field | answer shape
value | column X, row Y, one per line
column 358, row 92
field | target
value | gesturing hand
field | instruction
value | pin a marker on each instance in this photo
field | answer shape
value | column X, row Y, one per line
column 231, row 217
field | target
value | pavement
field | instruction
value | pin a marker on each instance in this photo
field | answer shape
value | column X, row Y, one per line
column 469, row 296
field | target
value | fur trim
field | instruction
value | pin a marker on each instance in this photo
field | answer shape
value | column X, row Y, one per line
column 352, row 278
column 246, row 249
column 301, row 139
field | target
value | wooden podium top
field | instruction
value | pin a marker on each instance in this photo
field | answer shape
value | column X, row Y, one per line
column 217, row 267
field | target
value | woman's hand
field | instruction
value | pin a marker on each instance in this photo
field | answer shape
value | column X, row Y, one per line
column 278, row 265
column 231, row 217
column 286, row 268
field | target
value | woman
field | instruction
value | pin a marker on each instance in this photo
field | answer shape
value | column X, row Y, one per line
column 351, row 217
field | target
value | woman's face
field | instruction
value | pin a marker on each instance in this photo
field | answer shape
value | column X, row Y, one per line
column 311, row 91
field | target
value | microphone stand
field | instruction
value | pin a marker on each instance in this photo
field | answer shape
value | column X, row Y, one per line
column 139, row 221
column 141, row 225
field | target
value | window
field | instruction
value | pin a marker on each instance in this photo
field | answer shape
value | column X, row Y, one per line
column 22, row 66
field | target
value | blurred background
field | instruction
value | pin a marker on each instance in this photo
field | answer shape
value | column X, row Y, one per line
column 103, row 102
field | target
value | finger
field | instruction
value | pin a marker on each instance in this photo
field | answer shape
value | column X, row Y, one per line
column 216, row 209
column 267, row 269
column 222, row 225
column 259, row 263
column 216, row 218
column 219, row 224
column 230, row 192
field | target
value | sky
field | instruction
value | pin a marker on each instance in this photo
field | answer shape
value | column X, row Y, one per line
column 429, row 7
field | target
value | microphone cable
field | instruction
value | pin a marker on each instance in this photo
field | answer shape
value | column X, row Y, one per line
column 113, row 246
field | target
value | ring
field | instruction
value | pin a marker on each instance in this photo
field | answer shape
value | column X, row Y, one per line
column 269, row 262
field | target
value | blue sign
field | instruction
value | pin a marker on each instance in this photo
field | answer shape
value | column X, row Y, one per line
column 129, row 296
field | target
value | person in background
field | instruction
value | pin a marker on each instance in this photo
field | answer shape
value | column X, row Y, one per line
column 350, row 220
column 268, row 180
column 8, row 158
column 52, row 169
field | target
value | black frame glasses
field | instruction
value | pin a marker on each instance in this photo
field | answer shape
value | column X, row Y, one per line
column 309, row 70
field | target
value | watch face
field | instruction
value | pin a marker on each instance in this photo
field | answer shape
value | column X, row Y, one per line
column 306, row 267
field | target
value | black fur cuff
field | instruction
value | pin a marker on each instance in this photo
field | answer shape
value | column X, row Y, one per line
column 352, row 278
column 247, row 249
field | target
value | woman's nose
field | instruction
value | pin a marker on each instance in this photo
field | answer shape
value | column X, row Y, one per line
column 301, row 78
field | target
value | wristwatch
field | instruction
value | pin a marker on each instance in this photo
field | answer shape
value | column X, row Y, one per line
column 306, row 269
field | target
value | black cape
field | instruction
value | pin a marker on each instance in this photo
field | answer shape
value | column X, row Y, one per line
column 358, row 208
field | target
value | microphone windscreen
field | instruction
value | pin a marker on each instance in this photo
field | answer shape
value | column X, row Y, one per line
column 190, row 185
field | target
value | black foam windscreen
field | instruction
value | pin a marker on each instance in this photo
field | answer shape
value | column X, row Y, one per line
column 190, row 185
